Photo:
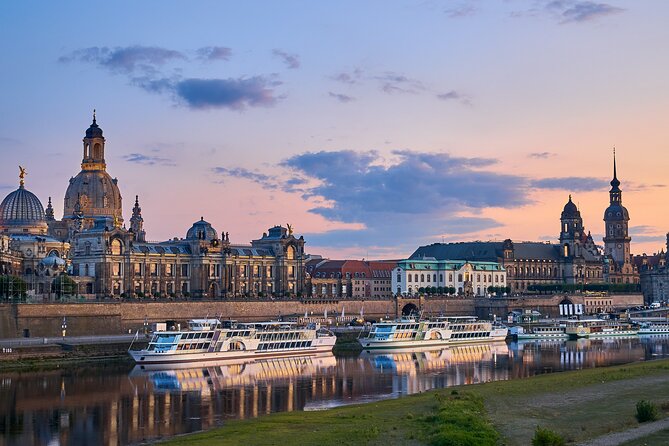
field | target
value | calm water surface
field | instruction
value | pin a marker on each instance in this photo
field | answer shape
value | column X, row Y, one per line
column 110, row 405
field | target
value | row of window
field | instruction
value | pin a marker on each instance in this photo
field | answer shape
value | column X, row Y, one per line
column 433, row 278
column 284, row 345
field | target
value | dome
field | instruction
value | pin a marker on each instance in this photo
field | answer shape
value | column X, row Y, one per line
column 616, row 212
column 22, row 212
column 98, row 195
column 94, row 131
column 570, row 210
column 201, row 230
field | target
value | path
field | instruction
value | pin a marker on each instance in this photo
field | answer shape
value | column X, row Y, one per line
column 617, row 438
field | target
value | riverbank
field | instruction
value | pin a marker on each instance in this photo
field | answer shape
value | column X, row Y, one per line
column 581, row 406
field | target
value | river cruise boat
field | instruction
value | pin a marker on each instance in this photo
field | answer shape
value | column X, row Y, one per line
column 407, row 332
column 469, row 329
column 211, row 340
column 551, row 331
column 598, row 328
column 653, row 328
column 443, row 331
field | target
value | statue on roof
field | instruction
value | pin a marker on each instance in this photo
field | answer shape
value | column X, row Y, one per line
column 22, row 174
column 290, row 229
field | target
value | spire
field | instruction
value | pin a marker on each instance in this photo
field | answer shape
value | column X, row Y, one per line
column 137, row 222
column 49, row 211
column 614, row 182
column 94, row 123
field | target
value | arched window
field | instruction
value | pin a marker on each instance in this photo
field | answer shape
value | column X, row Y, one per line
column 290, row 252
column 116, row 247
column 422, row 277
column 97, row 151
column 566, row 250
column 415, row 276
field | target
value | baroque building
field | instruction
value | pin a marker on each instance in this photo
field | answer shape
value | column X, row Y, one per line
column 109, row 260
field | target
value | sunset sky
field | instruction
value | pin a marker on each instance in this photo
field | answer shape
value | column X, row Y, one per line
column 371, row 126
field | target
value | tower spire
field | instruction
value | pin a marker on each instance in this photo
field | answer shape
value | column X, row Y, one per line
column 614, row 182
column 94, row 117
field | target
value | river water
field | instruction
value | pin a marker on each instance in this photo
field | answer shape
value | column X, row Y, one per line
column 122, row 404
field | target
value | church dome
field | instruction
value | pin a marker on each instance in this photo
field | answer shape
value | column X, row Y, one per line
column 94, row 131
column 570, row 210
column 98, row 195
column 22, row 212
column 201, row 230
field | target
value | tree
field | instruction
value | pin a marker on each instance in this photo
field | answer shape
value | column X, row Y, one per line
column 63, row 285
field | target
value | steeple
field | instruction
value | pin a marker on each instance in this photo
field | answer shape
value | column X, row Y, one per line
column 137, row 222
column 49, row 212
column 94, row 148
column 615, row 194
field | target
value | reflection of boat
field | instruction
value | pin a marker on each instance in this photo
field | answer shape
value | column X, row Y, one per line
column 430, row 359
column 211, row 340
column 598, row 328
column 231, row 373
column 539, row 332
column 442, row 331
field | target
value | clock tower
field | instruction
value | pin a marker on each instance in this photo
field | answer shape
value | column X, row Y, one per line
column 616, row 219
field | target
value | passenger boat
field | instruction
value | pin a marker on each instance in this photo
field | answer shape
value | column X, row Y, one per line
column 598, row 328
column 443, row 331
column 212, row 340
column 468, row 329
column 407, row 332
column 653, row 328
column 551, row 331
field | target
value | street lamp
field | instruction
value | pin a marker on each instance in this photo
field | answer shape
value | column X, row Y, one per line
column 146, row 325
column 63, row 326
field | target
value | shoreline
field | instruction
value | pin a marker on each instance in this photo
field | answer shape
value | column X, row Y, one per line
column 569, row 403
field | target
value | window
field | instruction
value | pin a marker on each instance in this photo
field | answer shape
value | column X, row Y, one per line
column 415, row 277
column 184, row 270
column 422, row 277
column 291, row 272
column 434, row 277
column 399, row 277
column 153, row 269
column 169, row 269
column 268, row 271
column 116, row 248
column 116, row 268
column 408, row 278
column 290, row 253
column 138, row 269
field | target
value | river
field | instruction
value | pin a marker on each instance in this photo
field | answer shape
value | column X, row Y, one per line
column 121, row 404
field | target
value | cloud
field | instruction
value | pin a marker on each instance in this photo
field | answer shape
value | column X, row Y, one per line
column 148, row 160
column 231, row 93
column 642, row 229
column 464, row 10
column 455, row 96
column 124, row 59
column 292, row 61
column 350, row 78
column 541, row 155
column 267, row 181
column 143, row 67
column 391, row 82
column 212, row 53
column 570, row 11
column 570, row 183
column 341, row 97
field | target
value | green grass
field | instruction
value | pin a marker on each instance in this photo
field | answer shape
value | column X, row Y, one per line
column 578, row 405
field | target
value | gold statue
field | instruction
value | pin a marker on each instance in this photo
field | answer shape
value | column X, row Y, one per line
column 117, row 222
column 290, row 229
column 22, row 175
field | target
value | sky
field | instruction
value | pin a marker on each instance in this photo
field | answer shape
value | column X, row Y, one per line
column 372, row 127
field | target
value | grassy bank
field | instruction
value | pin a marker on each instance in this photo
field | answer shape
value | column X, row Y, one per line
column 579, row 405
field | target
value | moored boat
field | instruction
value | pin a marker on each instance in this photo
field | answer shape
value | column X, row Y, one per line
column 211, row 340
column 550, row 331
column 598, row 328
column 653, row 328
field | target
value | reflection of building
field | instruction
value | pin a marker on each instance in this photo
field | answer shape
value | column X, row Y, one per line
column 471, row 278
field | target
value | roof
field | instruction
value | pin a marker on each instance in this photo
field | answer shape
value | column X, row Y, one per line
column 486, row 251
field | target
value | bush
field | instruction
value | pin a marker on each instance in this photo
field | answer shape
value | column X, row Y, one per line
column 547, row 437
column 646, row 411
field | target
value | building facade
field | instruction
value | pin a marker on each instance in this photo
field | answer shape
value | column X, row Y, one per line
column 463, row 277
column 346, row 279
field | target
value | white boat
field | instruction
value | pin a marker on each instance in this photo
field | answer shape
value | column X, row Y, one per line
column 211, row 340
column 653, row 328
column 552, row 331
column 468, row 330
column 409, row 332
column 598, row 328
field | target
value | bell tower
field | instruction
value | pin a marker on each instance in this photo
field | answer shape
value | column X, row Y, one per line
column 94, row 148
column 616, row 221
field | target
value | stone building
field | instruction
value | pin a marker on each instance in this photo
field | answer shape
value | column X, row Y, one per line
column 654, row 274
column 349, row 279
column 467, row 278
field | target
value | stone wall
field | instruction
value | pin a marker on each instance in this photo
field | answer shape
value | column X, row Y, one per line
column 120, row 317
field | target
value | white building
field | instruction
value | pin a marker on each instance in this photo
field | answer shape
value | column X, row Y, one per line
column 462, row 277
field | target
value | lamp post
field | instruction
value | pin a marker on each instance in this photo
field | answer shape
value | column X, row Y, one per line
column 63, row 326
column 146, row 325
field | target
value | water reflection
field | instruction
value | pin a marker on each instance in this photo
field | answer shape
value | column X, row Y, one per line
column 111, row 405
